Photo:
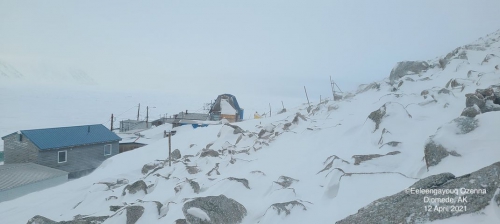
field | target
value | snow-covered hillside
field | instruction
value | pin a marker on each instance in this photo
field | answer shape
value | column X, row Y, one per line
column 311, row 164
column 43, row 73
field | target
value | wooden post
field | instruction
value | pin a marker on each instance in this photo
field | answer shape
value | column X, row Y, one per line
column 139, row 108
column 111, row 122
column 147, row 114
column 282, row 104
column 270, row 110
column 170, row 148
column 307, row 96
column 333, row 88
column 165, row 134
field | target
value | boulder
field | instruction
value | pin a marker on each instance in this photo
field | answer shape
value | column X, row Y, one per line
column 471, row 111
column 150, row 166
column 192, row 169
column 115, row 208
column 474, row 99
column 490, row 106
column 407, row 68
column 365, row 87
column 485, row 92
column 176, row 154
column 477, row 188
column 297, row 116
column 210, row 152
column 444, row 91
column 237, row 129
column 112, row 185
column 358, row 159
column 181, row 221
column 79, row 219
column 137, row 186
column 424, row 93
column 434, row 153
column 287, row 207
column 285, row 181
column 465, row 124
column 213, row 209
column 460, row 54
column 376, row 116
column 134, row 213
column 38, row 219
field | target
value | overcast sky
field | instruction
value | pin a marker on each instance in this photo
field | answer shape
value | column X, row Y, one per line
column 239, row 47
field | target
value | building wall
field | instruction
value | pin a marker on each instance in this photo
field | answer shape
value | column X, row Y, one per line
column 80, row 160
column 133, row 125
column 16, row 151
column 130, row 146
column 32, row 187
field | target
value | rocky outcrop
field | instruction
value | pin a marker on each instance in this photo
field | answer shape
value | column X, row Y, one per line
column 38, row 219
column 407, row 68
column 78, row 220
column 137, row 186
column 286, row 207
column 471, row 111
column 112, row 185
column 475, row 190
column 240, row 180
column 134, row 213
column 434, row 153
column 366, row 87
column 285, row 181
column 482, row 101
column 237, row 129
column 176, row 154
column 210, row 153
column 213, row 209
column 458, row 53
column 376, row 116
column 465, row 124
column 150, row 166
column 358, row 159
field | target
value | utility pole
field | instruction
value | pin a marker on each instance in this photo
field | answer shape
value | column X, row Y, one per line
column 170, row 148
column 270, row 110
column 283, row 105
column 111, row 123
column 333, row 84
column 139, row 108
column 333, row 88
column 307, row 96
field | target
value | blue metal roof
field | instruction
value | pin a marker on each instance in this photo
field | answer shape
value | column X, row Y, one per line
column 52, row 138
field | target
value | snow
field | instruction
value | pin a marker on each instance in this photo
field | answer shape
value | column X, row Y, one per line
column 226, row 108
column 298, row 150
column 196, row 212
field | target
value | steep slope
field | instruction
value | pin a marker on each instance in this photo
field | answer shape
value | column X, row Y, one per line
column 317, row 164
column 7, row 71
column 43, row 74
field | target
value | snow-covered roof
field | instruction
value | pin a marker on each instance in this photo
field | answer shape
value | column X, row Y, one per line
column 19, row 174
column 226, row 108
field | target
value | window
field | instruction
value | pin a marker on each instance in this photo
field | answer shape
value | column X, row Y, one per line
column 107, row 149
column 62, row 156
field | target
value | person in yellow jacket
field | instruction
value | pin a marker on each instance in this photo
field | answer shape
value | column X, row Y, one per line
column 256, row 115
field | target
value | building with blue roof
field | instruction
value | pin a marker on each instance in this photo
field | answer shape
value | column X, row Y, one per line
column 77, row 150
column 226, row 107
